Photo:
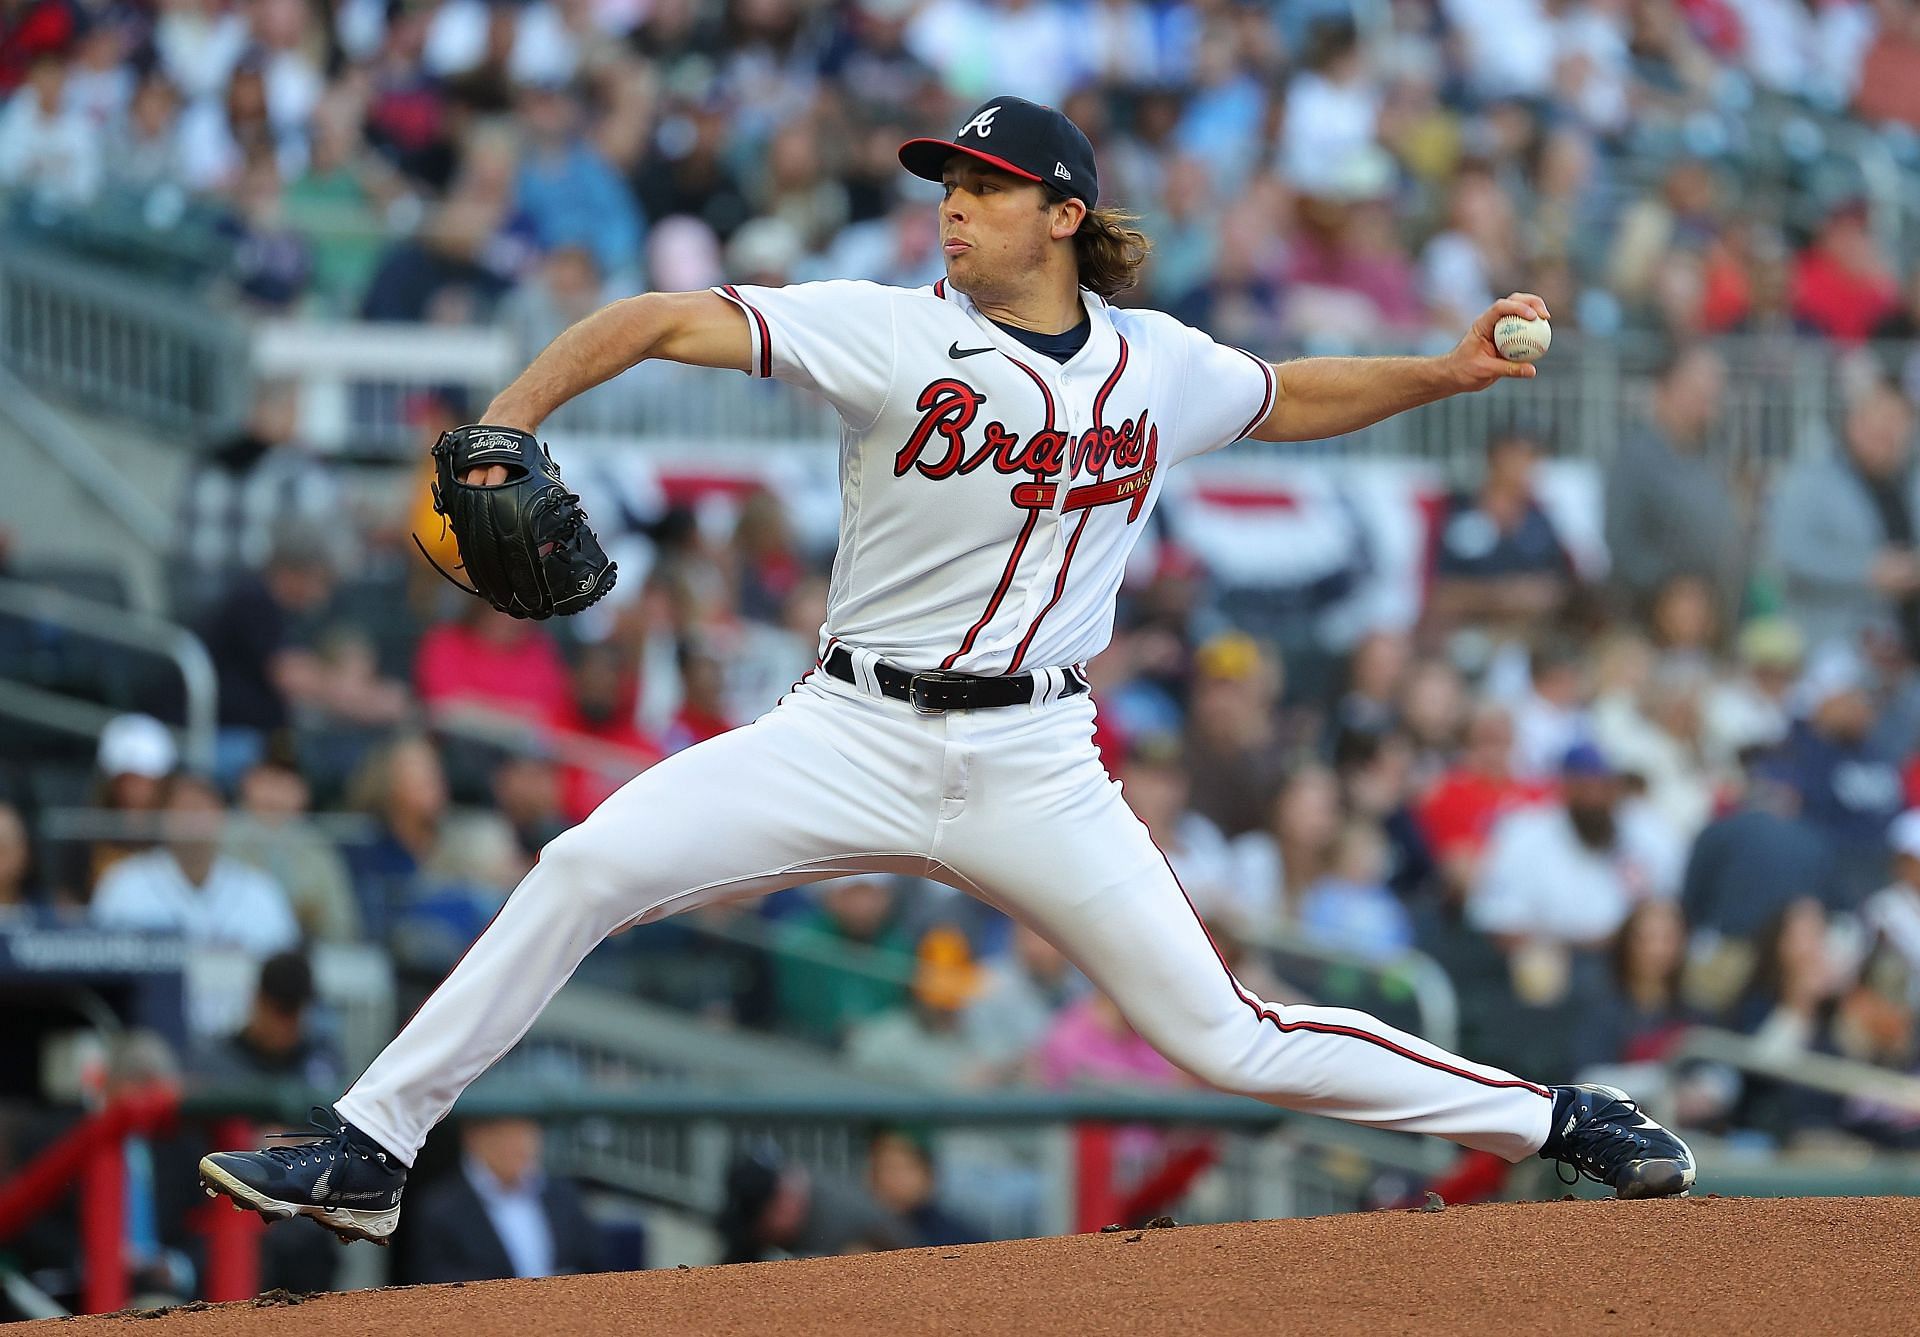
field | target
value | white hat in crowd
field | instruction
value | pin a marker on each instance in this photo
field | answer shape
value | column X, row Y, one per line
column 1833, row 671
column 137, row 745
column 1903, row 833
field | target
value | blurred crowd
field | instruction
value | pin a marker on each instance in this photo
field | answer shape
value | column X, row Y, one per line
column 1614, row 808
column 1610, row 809
column 1311, row 170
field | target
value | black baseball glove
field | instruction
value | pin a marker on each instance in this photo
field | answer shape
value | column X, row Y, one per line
column 524, row 543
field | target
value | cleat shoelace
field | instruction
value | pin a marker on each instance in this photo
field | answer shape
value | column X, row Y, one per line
column 323, row 1126
column 1596, row 1149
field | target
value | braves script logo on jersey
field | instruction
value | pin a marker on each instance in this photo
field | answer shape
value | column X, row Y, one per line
column 938, row 448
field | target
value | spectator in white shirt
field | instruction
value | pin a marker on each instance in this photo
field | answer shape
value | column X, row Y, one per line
column 47, row 148
column 1461, row 267
column 186, row 887
column 1125, row 43
column 1507, row 46
column 1551, row 714
column 100, row 82
column 543, row 41
column 198, row 43
column 1031, row 48
column 1569, row 872
column 1658, row 735
column 143, row 150
column 1155, row 784
column 1751, row 708
column 1593, row 63
column 1333, row 110
column 1892, row 914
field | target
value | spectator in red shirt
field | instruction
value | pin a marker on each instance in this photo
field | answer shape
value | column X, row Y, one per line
column 30, row 29
column 1889, row 83
column 703, row 710
column 1842, row 285
column 1461, row 808
column 489, row 659
column 767, row 560
column 602, row 713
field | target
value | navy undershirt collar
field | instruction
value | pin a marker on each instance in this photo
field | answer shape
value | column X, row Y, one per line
column 1059, row 347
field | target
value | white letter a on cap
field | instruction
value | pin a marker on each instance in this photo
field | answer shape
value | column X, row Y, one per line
column 981, row 125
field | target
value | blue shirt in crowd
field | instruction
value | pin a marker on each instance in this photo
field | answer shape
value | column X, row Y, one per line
column 575, row 199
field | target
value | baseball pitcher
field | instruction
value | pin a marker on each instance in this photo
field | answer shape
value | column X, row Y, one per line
column 1004, row 434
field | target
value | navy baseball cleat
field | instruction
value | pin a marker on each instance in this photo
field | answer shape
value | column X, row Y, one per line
column 1601, row 1133
column 341, row 1178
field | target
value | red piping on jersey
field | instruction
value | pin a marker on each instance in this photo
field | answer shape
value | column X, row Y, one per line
column 1000, row 591
column 1059, row 588
column 1066, row 560
column 1266, row 405
column 1019, row 544
column 1264, row 1013
column 766, row 339
column 940, row 289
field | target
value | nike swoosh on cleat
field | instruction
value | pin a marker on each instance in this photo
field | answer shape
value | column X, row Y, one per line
column 955, row 351
column 320, row 1184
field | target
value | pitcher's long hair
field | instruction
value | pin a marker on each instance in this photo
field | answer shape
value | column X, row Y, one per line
column 1111, row 251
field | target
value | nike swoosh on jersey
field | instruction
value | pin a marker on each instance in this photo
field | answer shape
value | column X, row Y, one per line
column 954, row 350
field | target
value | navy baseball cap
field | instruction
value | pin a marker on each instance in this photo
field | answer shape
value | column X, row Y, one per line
column 1584, row 761
column 1018, row 136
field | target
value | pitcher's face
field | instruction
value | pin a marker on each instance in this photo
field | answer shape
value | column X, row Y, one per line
column 994, row 226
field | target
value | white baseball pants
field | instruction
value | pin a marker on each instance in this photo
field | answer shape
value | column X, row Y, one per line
column 1012, row 805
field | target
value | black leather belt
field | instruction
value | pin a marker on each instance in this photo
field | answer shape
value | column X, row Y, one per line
column 934, row 692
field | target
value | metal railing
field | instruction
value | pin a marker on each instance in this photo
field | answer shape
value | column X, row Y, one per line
column 71, row 453
column 608, row 1042
column 183, row 368
column 598, row 1037
column 509, row 732
column 1784, row 397
column 1837, row 1076
column 358, row 380
column 92, row 1155
column 663, row 403
column 121, row 344
column 1417, row 977
column 81, row 824
column 1313, row 1164
column 115, row 626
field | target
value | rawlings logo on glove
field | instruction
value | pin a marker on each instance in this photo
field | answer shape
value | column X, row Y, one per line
column 525, row 543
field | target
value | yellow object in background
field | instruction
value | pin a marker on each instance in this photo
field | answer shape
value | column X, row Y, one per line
column 435, row 535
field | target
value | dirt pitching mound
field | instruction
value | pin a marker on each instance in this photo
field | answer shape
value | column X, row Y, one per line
column 1702, row 1265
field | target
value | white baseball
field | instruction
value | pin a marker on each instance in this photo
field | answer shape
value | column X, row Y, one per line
column 1522, row 338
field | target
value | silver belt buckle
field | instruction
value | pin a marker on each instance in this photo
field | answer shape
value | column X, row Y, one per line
column 914, row 697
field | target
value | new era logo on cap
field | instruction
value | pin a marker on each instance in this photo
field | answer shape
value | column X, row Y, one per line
column 1017, row 136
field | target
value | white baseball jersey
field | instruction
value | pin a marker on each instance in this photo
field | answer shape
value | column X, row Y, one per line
column 990, row 495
